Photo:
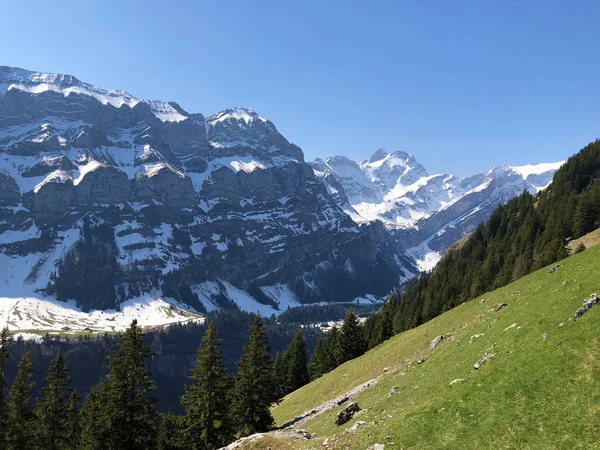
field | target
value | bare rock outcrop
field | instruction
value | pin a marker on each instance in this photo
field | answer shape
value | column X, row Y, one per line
column 165, row 184
column 347, row 413
column 104, row 184
column 9, row 190
column 587, row 305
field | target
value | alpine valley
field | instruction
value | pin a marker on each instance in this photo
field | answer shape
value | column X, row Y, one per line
column 113, row 207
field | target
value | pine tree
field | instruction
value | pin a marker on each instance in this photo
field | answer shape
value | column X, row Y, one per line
column 280, row 375
column 351, row 341
column 254, row 390
column 206, row 398
column 52, row 408
column 318, row 361
column 21, row 419
column 171, row 435
column 5, row 342
column 96, row 423
column 331, row 342
column 73, row 422
column 120, row 414
column 297, row 370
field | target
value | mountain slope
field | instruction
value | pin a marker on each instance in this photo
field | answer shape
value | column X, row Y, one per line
column 538, row 391
column 426, row 212
column 210, row 211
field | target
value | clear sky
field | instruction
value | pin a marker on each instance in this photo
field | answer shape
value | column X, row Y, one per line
column 463, row 85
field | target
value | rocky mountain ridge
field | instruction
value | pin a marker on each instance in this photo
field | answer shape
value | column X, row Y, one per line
column 427, row 213
column 223, row 205
column 205, row 211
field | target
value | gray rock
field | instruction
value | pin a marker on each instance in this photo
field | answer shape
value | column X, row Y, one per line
column 499, row 307
column 357, row 425
column 475, row 336
column 10, row 194
column 53, row 198
column 347, row 413
column 554, row 268
column 393, row 391
column 165, row 184
column 588, row 303
column 377, row 447
column 103, row 185
column 434, row 343
column 544, row 336
column 485, row 358
column 458, row 380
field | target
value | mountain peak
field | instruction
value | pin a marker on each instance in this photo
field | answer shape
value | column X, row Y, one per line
column 383, row 154
column 36, row 83
column 237, row 114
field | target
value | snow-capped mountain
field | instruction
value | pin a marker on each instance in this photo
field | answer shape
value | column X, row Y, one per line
column 427, row 213
column 222, row 208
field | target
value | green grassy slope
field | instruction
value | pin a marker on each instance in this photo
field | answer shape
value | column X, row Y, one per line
column 534, row 394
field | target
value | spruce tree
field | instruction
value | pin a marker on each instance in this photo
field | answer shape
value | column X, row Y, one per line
column 351, row 341
column 280, row 375
column 331, row 340
column 21, row 419
column 318, row 361
column 297, row 370
column 52, row 408
column 120, row 413
column 73, row 422
column 5, row 342
column 171, row 435
column 254, row 390
column 206, row 398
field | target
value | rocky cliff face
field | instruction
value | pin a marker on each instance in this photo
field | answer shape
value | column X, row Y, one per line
column 425, row 213
column 223, row 204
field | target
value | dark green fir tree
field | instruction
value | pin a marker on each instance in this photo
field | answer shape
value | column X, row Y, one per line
column 206, row 398
column 120, row 413
column 5, row 342
column 52, row 407
column 21, row 418
column 297, row 370
column 254, row 390
column 351, row 341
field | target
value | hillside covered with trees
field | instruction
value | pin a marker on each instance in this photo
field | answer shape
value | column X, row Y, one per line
column 527, row 233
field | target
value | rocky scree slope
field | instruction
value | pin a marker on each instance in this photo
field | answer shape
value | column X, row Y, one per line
column 426, row 213
column 223, row 205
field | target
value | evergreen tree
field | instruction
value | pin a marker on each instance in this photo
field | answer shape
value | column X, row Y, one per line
column 52, row 408
column 318, row 361
column 297, row 370
column 21, row 419
column 171, row 435
column 120, row 414
column 96, row 426
column 254, row 390
column 280, row 375
column 331, row 342
column 73, row 422
column 5, row 342
column 351, row 341
column 206, row 398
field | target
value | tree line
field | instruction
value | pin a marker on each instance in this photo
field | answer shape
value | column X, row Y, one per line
column 121, row 412
column 526, row 234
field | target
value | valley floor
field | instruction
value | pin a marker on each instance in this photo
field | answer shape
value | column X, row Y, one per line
column 537, row 385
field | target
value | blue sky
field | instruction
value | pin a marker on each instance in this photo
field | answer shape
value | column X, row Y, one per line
column 463, row 85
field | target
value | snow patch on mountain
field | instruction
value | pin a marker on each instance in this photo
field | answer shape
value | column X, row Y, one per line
column 38, row 82
column 242, row 114
column 44, row 315
column 395, row 188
